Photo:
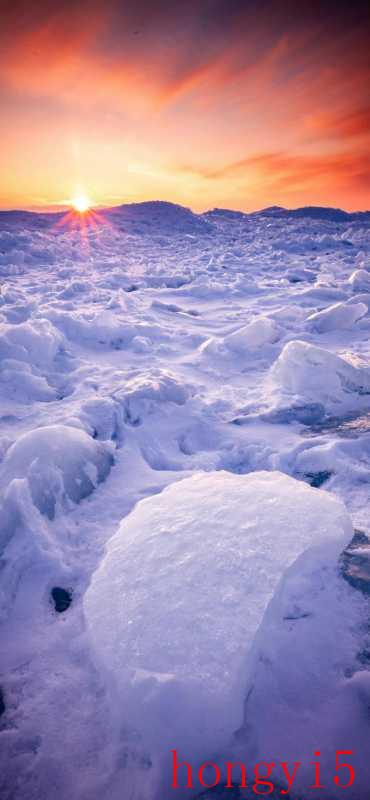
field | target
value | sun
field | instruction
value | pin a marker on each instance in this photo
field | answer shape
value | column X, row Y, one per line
column 81, row 203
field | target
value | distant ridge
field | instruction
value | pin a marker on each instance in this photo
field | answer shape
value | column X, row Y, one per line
column 314, row 212
column 166, row 217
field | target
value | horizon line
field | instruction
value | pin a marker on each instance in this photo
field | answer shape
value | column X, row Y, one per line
column 62, row 209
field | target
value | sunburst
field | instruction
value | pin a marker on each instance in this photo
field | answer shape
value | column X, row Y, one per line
column 81, row 203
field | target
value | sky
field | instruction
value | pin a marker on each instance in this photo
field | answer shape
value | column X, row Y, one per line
column 230, row 103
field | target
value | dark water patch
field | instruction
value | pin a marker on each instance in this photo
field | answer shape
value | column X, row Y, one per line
column 310, row 414
column 315, row 419
column 317, row 479
column 355, row 562
column 306, row 414
column 294, row 617
column 62, row 599
column 2, row 702
column 364, row 657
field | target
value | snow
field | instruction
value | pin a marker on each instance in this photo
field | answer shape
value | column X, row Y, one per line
column 307, row 373
column 36, row 342
column 170, row 384
column 58, row 462
column 28, row 350
column 337, row 316
column 142, row 395
column 347, row 458
column 302, row 668
column 360, row 280
column 185, row 569
column 258, row 333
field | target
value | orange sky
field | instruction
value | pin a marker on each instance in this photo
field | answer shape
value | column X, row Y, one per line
column 232, row 103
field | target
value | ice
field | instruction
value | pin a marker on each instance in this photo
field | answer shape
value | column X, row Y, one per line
column 28, row 555
column 28, row 351
column 337, row 316
column 254, row 339
column 175, row 605
column 142, row 395
column 360, row 280
column 36, row 342
column 348, row 459
column 19, row 383
column 59, row 462
column 303, row 666
column 180, row 345
column 307, row 374
column 260, row 332
column 94, row 330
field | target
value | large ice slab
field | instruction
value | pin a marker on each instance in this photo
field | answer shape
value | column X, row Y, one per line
column 175, row 605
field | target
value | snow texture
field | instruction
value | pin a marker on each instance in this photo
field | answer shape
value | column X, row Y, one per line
column 176, row 603
column 184, row 410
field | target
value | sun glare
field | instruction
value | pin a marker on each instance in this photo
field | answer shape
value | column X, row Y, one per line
column 81, row 203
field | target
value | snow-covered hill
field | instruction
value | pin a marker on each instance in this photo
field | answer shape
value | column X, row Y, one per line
column 184, row 456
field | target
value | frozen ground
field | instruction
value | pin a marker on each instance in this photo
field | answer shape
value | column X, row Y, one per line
column 156, row 348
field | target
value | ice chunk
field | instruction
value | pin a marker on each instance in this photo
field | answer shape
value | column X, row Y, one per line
column 143, row 394
column 256, row 334
column 104, row 328
column 300, row 687
column 37, row 342
column 59, row 462
column 337, row 316
column 174, row 607
column 27, row 350
column 249, row 340
column 347, row 458
column 26, row 549
column 360, row 280
column 20, row 384
column 309, row 374
column 299, row 274
column 102, row 418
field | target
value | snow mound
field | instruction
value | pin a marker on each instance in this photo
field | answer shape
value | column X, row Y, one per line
column 337, row 316
column 94, row 330
column 159, row 217
column 347, row 458
column 306, row 373
column 300, row 274
column 256, row 334
column 60, row 463
column 27, row 351
column 20, row 384
column 143, row 394
column 174, row 607
column 249, row 340
column 36, row 342
column 102, row 418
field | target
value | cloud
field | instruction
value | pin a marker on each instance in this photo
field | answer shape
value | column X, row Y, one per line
column 286, row 172
column 165, row 49
column 353, row 124
column 99, row 85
